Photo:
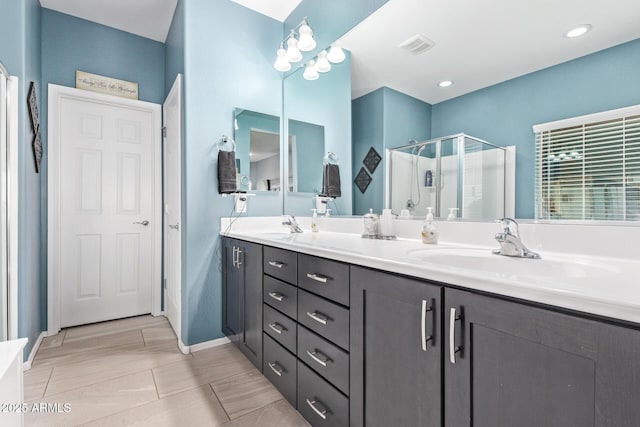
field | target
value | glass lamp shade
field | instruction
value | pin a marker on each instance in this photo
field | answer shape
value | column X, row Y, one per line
column 281, row 63
column 323, row 65
column 293, row 53
column 336, row 54
column 306, row 42
column 310, row 72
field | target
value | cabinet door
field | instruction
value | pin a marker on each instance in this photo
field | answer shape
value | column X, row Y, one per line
column 232, row 293
column 396, row 352
column 250, row 260
column 510, row 364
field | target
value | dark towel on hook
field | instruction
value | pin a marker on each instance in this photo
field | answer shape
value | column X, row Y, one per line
column 331, row 181
column 226, row 172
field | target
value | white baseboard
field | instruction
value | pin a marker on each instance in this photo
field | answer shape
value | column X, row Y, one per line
column 186, row 349
column 27, row 365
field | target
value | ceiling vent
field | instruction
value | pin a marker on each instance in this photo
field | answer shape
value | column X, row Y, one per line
column 417, row 44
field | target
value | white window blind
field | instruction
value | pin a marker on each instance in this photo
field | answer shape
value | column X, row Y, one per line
column 588, row 168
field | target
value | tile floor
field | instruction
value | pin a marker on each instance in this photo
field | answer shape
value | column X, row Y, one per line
column 129, row 372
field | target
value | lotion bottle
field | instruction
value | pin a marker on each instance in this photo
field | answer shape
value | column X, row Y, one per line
column 429, row 229
column 314, row 221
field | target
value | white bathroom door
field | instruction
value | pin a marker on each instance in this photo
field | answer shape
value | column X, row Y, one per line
column 172, row 112
column 107, row 187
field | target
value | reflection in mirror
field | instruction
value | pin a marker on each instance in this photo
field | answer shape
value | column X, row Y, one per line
column 459, row 175
column 306, row 150
column 257, row 137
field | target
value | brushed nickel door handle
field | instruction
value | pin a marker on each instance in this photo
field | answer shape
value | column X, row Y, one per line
column 319, row 357
column 276, row 296
column 276, row 368
column 322, row 412
column 145, row 222
column 318, row 317
column 317, row 277
column 453, row 349
column 423, row 325
column 277, row 328
column 175, row 227
column 277, row 264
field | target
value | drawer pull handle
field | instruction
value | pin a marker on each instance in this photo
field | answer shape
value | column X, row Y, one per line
column 319, row 357
column 277, row 328
column 318, row 317
column 453, row 349
column 317, row 277
column 276, row 296
column 277, row 264
column 322, row 412
column 276, row 368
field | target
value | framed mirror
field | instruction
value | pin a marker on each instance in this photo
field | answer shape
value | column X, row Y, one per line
column 257, row 137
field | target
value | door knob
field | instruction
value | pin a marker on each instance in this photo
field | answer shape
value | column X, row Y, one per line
column 145, row 222
column 175, row 227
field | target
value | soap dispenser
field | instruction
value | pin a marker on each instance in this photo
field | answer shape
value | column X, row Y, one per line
column 452, row 214
column 386, row 225
column 429, row 229
column 371, row 226
column 314, row 221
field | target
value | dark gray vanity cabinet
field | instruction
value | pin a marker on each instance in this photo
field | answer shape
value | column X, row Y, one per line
column 242, row 297
column 396, row 351
column 510, row 364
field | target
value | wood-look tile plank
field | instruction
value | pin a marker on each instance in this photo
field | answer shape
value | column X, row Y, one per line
column 158, row 334
column 97, row 401
column 54, row 340
column 219, row 363
column 280, row 414
column 35, row 383
column 56, row 359
column 95, row 330
column 195, row 407
column 112, row 365
column 245, row 392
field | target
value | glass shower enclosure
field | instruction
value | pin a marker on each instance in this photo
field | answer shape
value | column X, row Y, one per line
column 457, row 174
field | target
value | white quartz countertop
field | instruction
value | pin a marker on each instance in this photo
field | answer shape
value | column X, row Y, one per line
column 597, row 285
column 9, row 350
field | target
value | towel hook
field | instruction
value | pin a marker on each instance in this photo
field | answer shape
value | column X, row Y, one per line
column 226, row 143
column 330, row 159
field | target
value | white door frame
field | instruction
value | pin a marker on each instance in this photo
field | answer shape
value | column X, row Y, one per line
column 56, row 95
column 176, row 91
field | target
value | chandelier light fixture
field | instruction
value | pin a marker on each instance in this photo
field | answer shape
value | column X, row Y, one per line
column 301, row 40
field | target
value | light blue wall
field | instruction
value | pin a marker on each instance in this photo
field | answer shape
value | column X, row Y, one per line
column 384, row 119
column 20, row 53
column 504, row 113
column 174, row 48
column 325, row 102
column 309, row 139
column 219, row 76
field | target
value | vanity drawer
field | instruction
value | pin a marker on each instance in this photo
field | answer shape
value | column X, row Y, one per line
column 319, row 402
column 279, row 327
column 280, row 295
column 328, row 360
column 280, row 368
column 281, row 264
column 324, row 317
column 323, row 277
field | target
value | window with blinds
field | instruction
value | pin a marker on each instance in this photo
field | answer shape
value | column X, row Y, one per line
column 588, row 168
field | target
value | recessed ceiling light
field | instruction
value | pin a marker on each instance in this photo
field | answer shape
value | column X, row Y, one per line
column 578, row 31
column 445, row 83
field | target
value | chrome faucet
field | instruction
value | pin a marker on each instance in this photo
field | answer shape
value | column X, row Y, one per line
column 293, row 225
column 510, row 242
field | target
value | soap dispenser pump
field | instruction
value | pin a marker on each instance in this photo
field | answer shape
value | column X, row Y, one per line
column 429, row 229
column 314, row 221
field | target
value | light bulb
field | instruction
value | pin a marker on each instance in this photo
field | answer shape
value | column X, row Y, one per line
column 293, row 53
column 306, row 42
column 578, row 31
column 282, row 64
column 335, row 55
column 323, row 65
column 310, row 72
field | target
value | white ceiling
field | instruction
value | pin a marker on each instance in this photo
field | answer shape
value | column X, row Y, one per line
column 276, row 9
column 478, row 43
column 146, row 18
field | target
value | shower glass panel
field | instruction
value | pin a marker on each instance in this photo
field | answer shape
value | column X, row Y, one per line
column 457, row 171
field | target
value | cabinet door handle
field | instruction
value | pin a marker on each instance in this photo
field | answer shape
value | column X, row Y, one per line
column 238, row 263
column 318, row 277
column 322, row 412
column 276, row 296
column 318, row 317
column 235, row 251
column 277, row 328
column 453, row 349
column 423, row 325
column 277, row 264
column 276, row 368
column 319, row 357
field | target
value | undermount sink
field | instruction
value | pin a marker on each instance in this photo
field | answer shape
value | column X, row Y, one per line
column 484, row 261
